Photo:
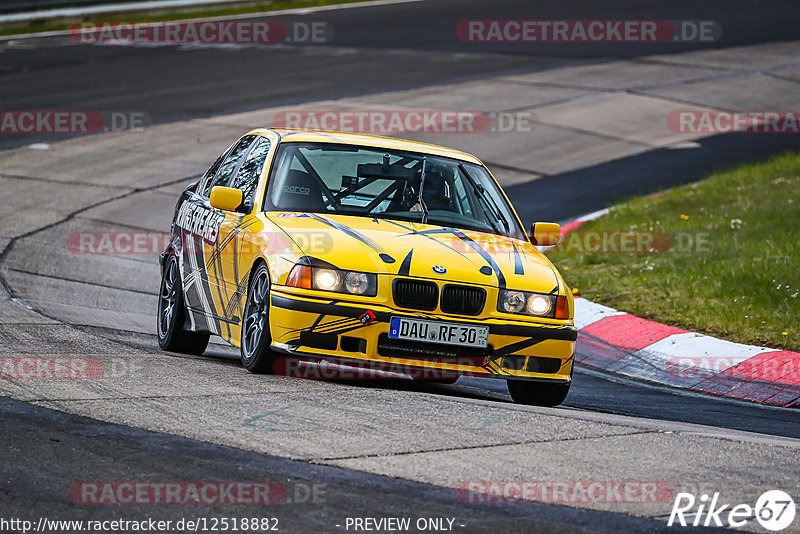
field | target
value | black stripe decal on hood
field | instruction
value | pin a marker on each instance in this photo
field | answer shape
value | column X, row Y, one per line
column 405, row 267
column 518, row 268
column 355, row 235
column 425, row 233
column 501, row 279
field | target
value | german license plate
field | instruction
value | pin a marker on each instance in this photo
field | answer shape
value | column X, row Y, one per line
column 439, row 332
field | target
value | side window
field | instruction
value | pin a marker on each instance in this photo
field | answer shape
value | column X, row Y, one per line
column 247, row 177
column 209, row 174
column 228, row 167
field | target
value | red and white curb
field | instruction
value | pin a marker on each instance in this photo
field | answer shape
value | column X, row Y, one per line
column 611, row 340
column 615, row 341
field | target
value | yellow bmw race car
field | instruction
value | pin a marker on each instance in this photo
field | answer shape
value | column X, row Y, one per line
column 309, row 248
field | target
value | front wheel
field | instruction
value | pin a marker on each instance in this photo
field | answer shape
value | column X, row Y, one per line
column 256, row 354
column 171, row 315
column 537, row 393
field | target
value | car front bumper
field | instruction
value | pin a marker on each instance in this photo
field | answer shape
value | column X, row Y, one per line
column 309, row 327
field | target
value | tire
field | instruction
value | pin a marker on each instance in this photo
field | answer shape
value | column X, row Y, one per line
column 537, row 393
column 172, row 313
column 257, row 357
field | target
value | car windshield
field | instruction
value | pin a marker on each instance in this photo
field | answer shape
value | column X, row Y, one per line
column 372, row 182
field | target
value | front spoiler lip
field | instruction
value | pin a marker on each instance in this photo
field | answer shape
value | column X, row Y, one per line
column 562, row 333
column 344, row 360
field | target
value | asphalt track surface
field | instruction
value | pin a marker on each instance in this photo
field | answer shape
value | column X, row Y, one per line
column 116, row 452
column 375, row 49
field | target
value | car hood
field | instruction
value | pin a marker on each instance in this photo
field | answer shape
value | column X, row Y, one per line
column 402, row 248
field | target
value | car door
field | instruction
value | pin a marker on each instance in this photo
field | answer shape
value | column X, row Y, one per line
column 229, row 261
column 203, row 228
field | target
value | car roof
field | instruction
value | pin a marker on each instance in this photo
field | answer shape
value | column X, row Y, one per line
column 376, row 141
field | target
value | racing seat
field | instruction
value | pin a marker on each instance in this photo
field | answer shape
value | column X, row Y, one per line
column 301, row 192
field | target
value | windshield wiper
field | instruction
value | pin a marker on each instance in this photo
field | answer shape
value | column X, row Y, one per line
column 392, row 215
column 421, row 187
column 488, row 201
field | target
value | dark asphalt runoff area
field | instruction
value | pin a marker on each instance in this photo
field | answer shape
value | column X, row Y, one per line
column 375, row 49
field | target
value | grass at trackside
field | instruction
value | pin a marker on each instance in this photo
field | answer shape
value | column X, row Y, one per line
column 207, row 12
column 743, row 285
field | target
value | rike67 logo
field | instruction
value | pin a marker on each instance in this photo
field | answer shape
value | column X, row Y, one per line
column 774, row 510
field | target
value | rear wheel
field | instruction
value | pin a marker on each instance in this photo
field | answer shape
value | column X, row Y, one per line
column 537, row 393
column 257, row 357
column 171, row 315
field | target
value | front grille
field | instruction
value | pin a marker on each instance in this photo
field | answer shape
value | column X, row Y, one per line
column 403, row 348
column 463, row 300
column 415, row 294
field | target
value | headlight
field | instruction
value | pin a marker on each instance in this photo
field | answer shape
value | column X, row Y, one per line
column 534, row 304
column 511, row 301
column 336, row 280
column 327, row 279
column 356, row 283
column 539, row 305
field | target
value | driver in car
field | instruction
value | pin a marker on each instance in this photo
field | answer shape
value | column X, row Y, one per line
column 436, row 192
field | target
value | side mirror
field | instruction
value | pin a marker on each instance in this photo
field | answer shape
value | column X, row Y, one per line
column 226, row 198
column 545, row 233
